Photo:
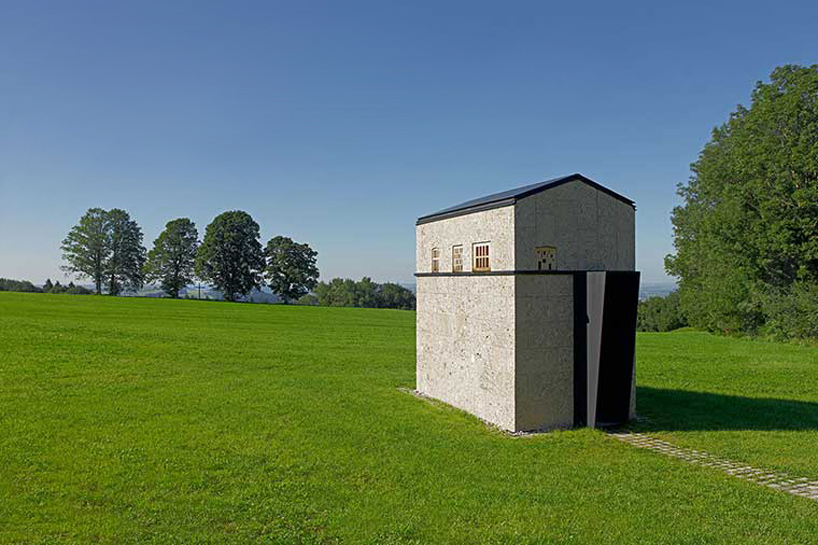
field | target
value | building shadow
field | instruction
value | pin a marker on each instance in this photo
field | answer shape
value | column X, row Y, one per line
column 682, row 410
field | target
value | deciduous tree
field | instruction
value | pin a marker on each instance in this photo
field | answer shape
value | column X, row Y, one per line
column 172, row 259
column 291, row 270
column 126, row 258
column 86, row 249
column 230, row 257
column 746, row 235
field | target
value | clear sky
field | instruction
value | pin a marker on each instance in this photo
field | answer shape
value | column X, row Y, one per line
column 339, row 123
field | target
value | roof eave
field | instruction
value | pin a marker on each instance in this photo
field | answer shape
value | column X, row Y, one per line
column 462, row 212
column 429, row 218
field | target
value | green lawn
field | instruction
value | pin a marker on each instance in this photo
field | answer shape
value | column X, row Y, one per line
column 142, row 420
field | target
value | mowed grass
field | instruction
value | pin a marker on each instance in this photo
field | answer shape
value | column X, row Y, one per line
column 154, row 421
column 742, row 399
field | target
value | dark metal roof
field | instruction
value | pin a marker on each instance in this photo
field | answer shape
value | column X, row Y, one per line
column 511, row 196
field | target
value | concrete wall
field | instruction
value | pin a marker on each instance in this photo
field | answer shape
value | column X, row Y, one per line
column 495, row 226
column 590, row 229
column 501, row 347
column 544, row 389
column 466, row 344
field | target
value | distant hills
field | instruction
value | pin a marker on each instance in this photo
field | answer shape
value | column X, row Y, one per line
column 655, row 289
column 646, row 289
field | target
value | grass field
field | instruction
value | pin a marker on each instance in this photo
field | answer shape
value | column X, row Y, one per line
column 156, row 421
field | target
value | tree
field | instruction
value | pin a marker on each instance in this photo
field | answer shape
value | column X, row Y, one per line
column 338, row 292
column 230, row 257
column 746, row 235
column 660, row 313
column 172, row 259
column 307, row 300
column 86, row 248
column 126, row 259
column 7, row 284
column 291, row 271
column 48, row 286
column 343, row 292
column 75, row 290
column 395, row 296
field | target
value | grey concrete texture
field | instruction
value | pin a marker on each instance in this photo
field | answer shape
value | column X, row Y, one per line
column 544, row 372
column 494, row 226
column 466, row 344
column 590, row 229
column 501, row 347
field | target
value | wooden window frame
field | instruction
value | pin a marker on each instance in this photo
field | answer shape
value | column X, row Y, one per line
column 540, row 251
column 457, row 260
column 435, row 259
column 481, row 261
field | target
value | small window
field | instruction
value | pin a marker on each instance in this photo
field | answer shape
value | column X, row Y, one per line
column 457, row 258
column 546, row 258
column 481, row 256
column 435, row 259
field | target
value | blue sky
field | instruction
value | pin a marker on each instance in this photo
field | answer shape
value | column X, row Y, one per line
column 339, row 123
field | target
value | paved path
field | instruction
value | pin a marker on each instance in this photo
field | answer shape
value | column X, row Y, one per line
column 797, row 486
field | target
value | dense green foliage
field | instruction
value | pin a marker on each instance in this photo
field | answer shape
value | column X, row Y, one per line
column 660, row 314
column 70, row 288
column 86, row 248
column 106, row 246
column 343, row 292
column 7, row 284
column 291, row 270
column 126, row 259
column 172, row 259
column 168, row 421
column 230, row 256
column 746, row 236
column 25, row 286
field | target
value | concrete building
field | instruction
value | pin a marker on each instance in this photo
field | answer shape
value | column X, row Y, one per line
column 526, row 306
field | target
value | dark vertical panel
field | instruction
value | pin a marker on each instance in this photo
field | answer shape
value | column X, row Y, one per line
column 580, row 350
column 618, row 344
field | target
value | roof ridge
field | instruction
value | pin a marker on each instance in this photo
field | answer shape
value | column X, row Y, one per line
column 511, row 196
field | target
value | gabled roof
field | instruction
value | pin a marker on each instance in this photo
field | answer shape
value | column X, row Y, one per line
column 511, row 196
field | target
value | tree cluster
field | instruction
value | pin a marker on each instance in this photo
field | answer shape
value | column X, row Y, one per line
column 343, row 292
column 106, row 246
column 7, row 284
column 660, row 313
column 746, row 235
column 70, row 288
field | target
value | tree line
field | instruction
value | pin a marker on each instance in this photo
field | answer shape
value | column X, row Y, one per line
column 746, row 234
column 106, row 247
column 7, row 284
column 343, row 292
column 659, row 314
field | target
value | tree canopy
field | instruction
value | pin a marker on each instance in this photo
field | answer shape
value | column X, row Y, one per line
column 126, row 260
column 230, row 256
column 291, row 269
column 172, row 259
column 746, row 235
column 86, row 248
column 106, row 246
column 343, row 292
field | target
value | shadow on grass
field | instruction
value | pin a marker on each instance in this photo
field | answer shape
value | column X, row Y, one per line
column 681, row 410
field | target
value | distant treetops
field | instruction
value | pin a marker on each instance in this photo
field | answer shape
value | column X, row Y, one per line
column 106, row 246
